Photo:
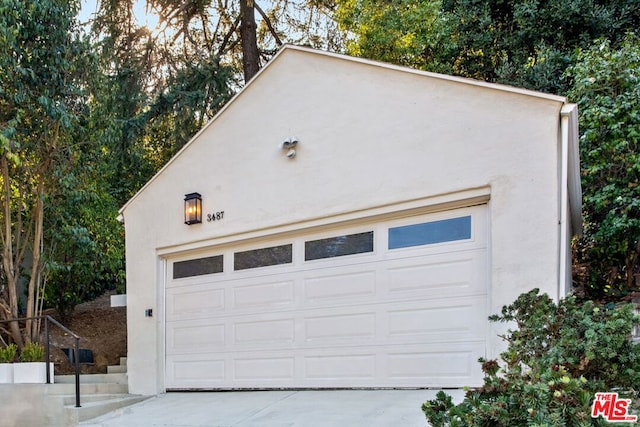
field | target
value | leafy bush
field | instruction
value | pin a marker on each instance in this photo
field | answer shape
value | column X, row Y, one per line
column 557, row 359
column 32, row 352
column 608, row 94
column 8, row 353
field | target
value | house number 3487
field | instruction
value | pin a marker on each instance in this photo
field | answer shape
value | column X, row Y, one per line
column 215, row 216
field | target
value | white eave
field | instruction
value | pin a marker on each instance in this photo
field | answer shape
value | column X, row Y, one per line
column 289, row 47
column 573, row 168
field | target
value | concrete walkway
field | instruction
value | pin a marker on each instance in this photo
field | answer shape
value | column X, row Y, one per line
column 314, row 408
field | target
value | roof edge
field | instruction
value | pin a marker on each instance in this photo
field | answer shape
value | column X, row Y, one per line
column 464, row 80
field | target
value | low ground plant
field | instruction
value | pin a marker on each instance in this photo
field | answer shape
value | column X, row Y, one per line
column 558, row 357
column 32, row 352
column 8, row 353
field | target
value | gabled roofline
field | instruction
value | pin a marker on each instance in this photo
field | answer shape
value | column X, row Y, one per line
column 464, row 80
column 286, row 47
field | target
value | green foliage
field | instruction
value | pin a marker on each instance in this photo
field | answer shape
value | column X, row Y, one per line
column 193, row 95
column 41, row 56
column 531, row 43
column 8, row 353
column 55, row 137
column 152, row 91
column 409, row 33
column 32, row 352
column 557, row 358
column 607, row 90
column 118, row 88
column 86, row 241
column 518, row 42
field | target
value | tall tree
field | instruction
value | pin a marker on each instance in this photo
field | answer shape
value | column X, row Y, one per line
column 607, row 90
column 241, row 32
column 39, row 94
column 192, row 94
column 156, row 89
column 121, row 90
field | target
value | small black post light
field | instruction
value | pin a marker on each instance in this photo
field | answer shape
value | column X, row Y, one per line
column 192, row 208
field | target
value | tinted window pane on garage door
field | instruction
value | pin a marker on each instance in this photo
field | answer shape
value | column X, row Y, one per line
column 338, row 246
column 197, row 267
column 263, row 257
column 427, row 233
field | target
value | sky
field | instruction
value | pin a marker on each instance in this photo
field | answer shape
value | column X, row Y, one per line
column 89, row 7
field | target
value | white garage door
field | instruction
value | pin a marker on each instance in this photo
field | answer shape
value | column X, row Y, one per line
column 395, row 303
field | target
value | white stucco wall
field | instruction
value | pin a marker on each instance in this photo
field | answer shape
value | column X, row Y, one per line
column 370, row 136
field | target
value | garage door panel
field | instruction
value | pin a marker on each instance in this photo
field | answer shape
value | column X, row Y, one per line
column 264, row 295
column 261, row 332
column 339, row 284
column 194, row 302
column 340, row 327
column 195, row 372
column 439, row 320
column 340, row 367
column 440, row 366
column 444, row 275
column 261, row 369
column 195, row 337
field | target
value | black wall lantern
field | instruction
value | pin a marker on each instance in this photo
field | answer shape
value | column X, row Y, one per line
column 192, row 208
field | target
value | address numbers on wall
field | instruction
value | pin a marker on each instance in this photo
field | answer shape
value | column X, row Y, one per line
column 215, row 216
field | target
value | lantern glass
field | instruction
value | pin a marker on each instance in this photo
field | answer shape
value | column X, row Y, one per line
column 192, row 208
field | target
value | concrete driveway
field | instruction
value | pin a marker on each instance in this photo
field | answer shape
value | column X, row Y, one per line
column 313, row 408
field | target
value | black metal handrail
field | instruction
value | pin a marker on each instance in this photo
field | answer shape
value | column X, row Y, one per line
column 47, row 347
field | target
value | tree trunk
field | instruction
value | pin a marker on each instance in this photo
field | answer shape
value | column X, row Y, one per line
column 250, row 53
column 31, row 329
column 12, row 272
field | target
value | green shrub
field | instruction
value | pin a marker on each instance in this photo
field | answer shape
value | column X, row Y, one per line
column 557, row 359
column 32, row 352
column 8, row 353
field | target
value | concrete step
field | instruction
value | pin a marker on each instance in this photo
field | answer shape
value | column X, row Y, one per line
column 70, row 399
column 87, row 389
column 123, row 361
column 118, row 378
column 93, row 409
column 117, row 369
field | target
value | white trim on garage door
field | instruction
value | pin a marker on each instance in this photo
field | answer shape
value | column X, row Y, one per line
column 402, row 304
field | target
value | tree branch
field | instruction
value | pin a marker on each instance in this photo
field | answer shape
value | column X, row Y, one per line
column 268, row 22
column 227, row 36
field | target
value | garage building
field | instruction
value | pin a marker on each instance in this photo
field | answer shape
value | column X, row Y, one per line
column 358, row 222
